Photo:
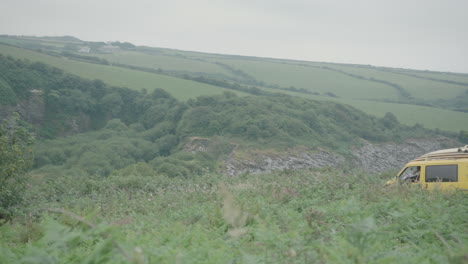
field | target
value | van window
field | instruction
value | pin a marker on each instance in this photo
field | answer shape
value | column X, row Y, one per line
column 411, row 174
column 442, row 173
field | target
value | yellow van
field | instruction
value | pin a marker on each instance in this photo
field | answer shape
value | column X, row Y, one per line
column 443, row 169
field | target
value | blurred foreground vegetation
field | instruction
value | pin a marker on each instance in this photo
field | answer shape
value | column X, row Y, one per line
column 310, row 216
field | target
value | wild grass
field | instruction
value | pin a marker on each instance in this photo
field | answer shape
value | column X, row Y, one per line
column 310, row 216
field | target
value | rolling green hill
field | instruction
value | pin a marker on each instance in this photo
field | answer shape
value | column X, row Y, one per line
column 430, row 117
column 413, row 96
column 417, row 87
column 117, row 76
column 162, row 61
column 312, row 79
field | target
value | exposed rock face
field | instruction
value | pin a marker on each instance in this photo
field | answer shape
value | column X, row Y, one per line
column 368, row 157
column 263, row 162
column 381, row 157
column 197, row 144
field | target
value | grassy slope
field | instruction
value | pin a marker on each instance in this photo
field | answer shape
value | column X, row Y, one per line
column 33, row 41
column 411, row 114
column 288, row 73
column 181, row 89
column 456, row 77
column 296, row 73
column 429, row 117
column 282, row 72
column 313, row 79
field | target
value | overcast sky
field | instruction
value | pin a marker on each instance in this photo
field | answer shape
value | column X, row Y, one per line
column 418, row 34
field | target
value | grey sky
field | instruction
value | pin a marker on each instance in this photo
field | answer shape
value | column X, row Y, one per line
column 420, row 34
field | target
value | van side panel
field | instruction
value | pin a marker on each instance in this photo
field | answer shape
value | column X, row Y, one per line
column 446, row 170
column 443, row 169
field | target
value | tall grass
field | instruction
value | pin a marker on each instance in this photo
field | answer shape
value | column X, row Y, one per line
column 310, row 216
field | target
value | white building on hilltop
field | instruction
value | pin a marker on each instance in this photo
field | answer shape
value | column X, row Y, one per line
column 84, row 49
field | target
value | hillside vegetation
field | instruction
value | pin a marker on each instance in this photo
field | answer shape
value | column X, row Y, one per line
column 375, row 90
column 131, row 126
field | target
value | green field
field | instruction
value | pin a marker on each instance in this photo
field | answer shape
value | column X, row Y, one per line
column 179, row 88
column 456, row 77
column 298, row 74
column 313, row 79
column 294, row 73
column 418, row 88
column 429, row 117
column 161, row 61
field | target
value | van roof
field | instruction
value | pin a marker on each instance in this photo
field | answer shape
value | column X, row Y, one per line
column 445, row 154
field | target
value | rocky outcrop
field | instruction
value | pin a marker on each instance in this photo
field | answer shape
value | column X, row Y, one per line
column 259, row 162
column 370, row 157
column 381, row 157
column 197, row 144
